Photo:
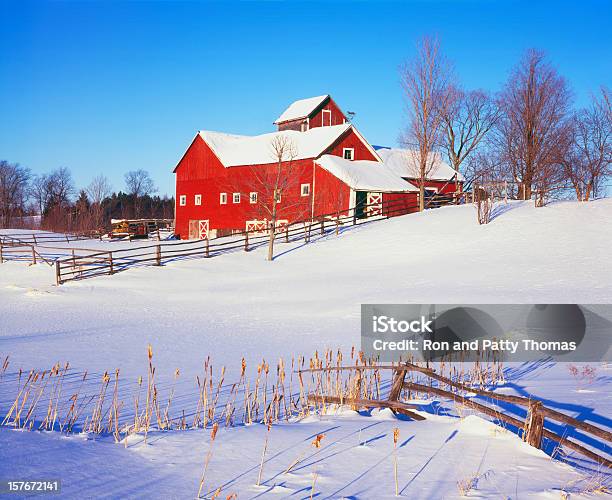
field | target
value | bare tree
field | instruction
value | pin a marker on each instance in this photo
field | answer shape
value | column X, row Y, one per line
column 532, row 130
column 469, row 117
column 98, row 190
column 139, row 184
column 60, row 188
column 58, row 191
column 426, row 85
column 589, row 158
column 274, row 185
column 605, row 103
column 13, row 191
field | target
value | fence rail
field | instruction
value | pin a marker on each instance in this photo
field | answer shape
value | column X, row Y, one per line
column 81, row 263
column 533, row 426
column 111, row 262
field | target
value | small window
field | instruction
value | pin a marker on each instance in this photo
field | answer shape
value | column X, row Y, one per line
column 236, row 198
column 305, row 189
column 198, row 199
column 223, row 198
column 183, row 200
column 348, row 153
column 253, row 197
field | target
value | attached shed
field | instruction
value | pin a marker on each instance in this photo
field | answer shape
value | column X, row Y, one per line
column 372, row 188
column 441, row 178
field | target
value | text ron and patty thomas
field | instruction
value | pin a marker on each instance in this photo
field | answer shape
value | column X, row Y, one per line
column 505, row 345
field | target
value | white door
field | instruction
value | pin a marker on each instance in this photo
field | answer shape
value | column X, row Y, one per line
column 203, row 229
column 374, row 202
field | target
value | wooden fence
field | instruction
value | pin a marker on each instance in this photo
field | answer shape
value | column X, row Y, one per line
column 81, row 263
column 533, row 427
column 97, row 263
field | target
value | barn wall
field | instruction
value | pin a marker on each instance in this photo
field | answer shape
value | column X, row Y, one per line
column 351, row 140
column 443, row 187
column 337, row 116
column 331, row 194
column 200, row 172
column 292, row 125
column 395, row 204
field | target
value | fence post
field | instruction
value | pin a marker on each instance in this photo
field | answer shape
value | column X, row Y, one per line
column 207, row 253
column 110, row 260
column 67, row 239
column 1, row 257
column 246, row 241
column 534, row 424
column 287, row 233
column 33, row 255
column 158, row 255
column 354, row 216
column 322, row 227
column 34, row 238
column 58, row 276
column 398, row 384
column 73, row 259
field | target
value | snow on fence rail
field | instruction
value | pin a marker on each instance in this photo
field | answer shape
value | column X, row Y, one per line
column 533, row 428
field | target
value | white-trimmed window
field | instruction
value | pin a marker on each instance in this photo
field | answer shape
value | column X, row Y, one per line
column 197, row 200
column 253, row 197
column 348, row 153
column 236, row 198
column 305, row 189
column 223, row 198
column 183, row 200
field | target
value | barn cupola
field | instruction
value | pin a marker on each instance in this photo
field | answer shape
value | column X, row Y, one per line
column 309, row 113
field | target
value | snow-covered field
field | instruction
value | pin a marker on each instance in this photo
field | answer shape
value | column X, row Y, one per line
column 309, row 298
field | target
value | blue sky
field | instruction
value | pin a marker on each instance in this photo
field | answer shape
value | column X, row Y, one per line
column 106, row 87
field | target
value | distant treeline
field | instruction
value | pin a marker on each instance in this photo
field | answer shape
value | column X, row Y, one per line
column 60, row 206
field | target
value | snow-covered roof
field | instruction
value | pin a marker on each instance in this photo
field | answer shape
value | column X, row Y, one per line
column 301, row 109
column 404, row 162
column 365, row 175
column 234, row 150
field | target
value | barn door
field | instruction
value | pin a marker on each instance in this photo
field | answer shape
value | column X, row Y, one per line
column 193, row 229
column 374, row 204
column 203, row 229
column 360, row 204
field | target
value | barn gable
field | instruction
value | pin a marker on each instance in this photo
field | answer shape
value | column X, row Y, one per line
column 306, row 114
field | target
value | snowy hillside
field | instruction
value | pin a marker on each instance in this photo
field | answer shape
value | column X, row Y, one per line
column 310, row 295
column 239, row 305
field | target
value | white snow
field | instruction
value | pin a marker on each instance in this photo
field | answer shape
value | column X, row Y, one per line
column 354, row 461
column 404, row 163
column 365, row 175
column 309, row 298
column 300, row 109
column 235, row 150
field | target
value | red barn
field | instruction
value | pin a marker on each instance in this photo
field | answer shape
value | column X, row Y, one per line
column 220, row 186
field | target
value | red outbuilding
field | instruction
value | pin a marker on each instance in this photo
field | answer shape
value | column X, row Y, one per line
column 223, row 180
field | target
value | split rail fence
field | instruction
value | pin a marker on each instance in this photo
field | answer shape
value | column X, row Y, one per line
column 96, row 263
column 532, row 427
column 82, row 263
